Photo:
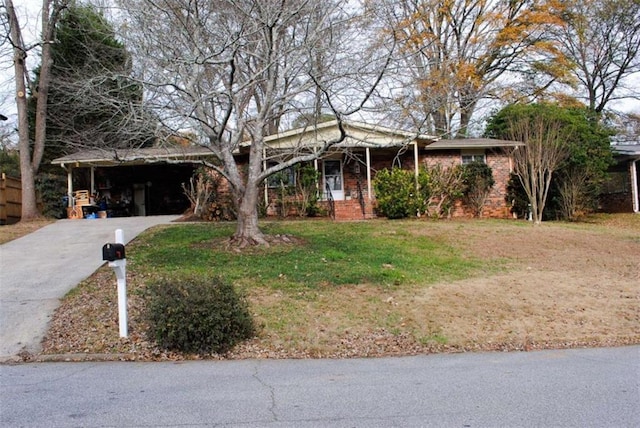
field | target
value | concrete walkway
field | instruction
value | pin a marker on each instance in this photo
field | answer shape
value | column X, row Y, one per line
column 37, row 270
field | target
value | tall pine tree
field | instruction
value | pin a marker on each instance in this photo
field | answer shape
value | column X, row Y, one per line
column 93, row 102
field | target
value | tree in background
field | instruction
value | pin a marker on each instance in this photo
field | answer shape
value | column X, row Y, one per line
column 582, row 175
column 9, row 161
column 626, row 126
column 31, row 152
column 601, row 38
column 566, row 152
column 93, row 102
column 232, row 70
column 545, row 148
column 9, row 157
column 456, row 53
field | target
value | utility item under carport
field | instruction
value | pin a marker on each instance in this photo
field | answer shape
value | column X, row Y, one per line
column 136, row 181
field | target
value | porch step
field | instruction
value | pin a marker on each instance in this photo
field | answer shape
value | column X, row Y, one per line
column 351, row 210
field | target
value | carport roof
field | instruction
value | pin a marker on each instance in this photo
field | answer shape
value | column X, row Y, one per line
column 632, row 150
column 98, row 157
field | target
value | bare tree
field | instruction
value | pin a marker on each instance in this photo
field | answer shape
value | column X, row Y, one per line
column 627, row 127
column 456, row 53
column 543, row 153
column 31, row 152
column 232, row 70
column 602, row 39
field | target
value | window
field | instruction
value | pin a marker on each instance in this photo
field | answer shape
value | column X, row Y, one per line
column 469, row 156
column 286, row 178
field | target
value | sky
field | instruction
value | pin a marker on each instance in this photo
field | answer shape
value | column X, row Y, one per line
column 28, row 14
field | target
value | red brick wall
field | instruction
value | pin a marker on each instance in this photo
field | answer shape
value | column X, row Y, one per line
column 495, row 207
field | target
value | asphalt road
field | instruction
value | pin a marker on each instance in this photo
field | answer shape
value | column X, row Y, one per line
column 568, row 388
column 37, row 270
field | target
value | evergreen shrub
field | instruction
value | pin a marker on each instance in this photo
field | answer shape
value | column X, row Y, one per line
column 198, row 315
column 397, row 195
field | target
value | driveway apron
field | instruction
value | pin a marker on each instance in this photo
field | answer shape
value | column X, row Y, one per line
column 37, row 270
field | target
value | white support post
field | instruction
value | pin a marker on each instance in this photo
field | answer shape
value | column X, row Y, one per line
column 70, row 186
column 315, row 166
column 416, row 169
column 93, row 180
column 633, row 171
column 266, row 182
column 368, row 159
column 120, row 268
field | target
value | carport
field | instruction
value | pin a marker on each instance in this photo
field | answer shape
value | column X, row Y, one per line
column 622, row 190
column 131, row 182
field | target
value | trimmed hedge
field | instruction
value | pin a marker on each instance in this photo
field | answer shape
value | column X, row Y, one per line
column 197, row 315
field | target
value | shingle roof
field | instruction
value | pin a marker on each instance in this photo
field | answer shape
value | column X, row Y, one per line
column 472, row 143
column 626, row 149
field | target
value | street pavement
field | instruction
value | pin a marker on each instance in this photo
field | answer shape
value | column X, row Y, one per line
column 563, row 388
column 37, row 270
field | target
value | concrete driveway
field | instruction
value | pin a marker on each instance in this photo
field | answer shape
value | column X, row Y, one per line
column 37, row 270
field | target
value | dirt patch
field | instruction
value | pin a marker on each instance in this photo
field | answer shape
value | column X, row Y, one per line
column 560, row 286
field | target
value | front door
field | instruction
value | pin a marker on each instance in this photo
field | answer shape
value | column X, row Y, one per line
column 332, row 173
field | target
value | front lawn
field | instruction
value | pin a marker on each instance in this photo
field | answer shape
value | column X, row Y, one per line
column 344, row 289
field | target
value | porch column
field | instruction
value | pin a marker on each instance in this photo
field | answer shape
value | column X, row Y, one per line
column 315, row 165
column 70, row 186
column 368, row 157
column 634, row 186
column 93, row 180
column 266, row 182
column 416, row 170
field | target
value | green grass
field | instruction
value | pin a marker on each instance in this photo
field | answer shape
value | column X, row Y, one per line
column 380, row 253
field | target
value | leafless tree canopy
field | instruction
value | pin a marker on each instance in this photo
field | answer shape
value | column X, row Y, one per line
column 536, row 162
column 602, row 39
column 237, row 71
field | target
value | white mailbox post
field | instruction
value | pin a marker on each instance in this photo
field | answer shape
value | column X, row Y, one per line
column 115, row 255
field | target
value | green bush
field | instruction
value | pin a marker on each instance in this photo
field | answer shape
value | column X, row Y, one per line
column 197, row 315
column 396, row 193
column 51, row 190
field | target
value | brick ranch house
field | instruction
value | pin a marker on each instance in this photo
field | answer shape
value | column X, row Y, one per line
column 149, row 181
column 348, row 169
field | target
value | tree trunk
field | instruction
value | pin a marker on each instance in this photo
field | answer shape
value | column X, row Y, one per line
column 30, row 157
column 27, row 174
column 29, row 195
column 466, row 112
column 247, row 230
column 441, row 127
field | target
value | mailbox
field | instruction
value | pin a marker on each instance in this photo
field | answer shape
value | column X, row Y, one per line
column 113, row 252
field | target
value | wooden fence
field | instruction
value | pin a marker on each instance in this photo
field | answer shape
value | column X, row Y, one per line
column 10, row 199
